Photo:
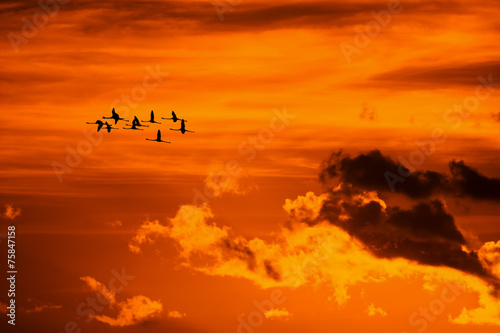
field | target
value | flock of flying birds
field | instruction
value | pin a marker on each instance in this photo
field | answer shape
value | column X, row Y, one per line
column 136, row 124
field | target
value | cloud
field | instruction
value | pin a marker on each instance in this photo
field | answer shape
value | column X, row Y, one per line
column 348, row 236
column 374, row 171
column 471, row 183
column 304, row 253
column 372, row 310
column 136, row 310
column 489, row 254
column 439, row 76
column 99, row 288
column 425, row 233
column 148, row 228
column 278, row 314
column 41, row 307
column 189, row 228
column 488, row 311
column 176, row 314
column 200, row 17
column 11, row 212
column 219, row 181
column 304, row 208
column 322, row 253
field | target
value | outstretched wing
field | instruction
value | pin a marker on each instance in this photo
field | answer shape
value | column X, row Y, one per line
column 100, row 125
column 158, row 135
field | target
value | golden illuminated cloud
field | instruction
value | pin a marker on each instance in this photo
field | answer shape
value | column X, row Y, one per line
column 132, row 311
column 278, row 314
column 304, row 254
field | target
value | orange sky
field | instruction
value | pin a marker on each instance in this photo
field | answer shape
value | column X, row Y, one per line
column 92, row 203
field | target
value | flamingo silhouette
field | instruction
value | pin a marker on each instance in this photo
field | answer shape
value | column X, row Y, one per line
column 182, row 129
column 174, row 117
column 152, row 120
column 99, row 123
column 134, row 127
column 109, row 128
column 115, row 116
column 158, row 138
column 136, row 123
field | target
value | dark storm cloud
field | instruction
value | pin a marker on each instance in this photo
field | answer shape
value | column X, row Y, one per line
column 469, row 182
column 426, row 233
column 374, row 171
column 368, row 171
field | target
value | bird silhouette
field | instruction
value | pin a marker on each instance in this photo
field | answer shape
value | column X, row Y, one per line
column 134, row 127
column 109, row 128
column 99, row 123
column 136, row 123
column 182, row 129
column 174, row 117
column 152, row 119
column 115, row 116
column 158, row 138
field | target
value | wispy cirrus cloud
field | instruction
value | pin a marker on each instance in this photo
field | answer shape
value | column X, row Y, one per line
column 440, row 76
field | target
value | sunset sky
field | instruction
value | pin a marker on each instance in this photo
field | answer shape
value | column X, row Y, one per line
column 344, row 173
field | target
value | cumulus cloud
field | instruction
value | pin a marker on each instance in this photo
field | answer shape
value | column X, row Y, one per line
column 303, row 254
column 11, row 212
column 304, row 208
column 489, row 254
column 136, row 310
column 346, row 236
column 309, row 254
column 278, row 314
column 188, row 227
